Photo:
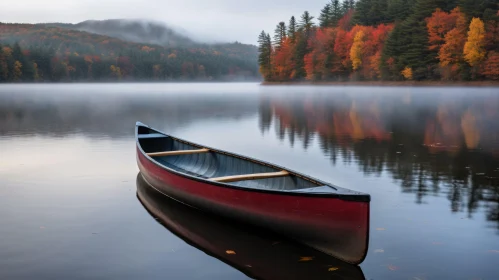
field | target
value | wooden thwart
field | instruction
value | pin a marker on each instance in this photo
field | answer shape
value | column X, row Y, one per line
column 244, row 177
column 176, row 153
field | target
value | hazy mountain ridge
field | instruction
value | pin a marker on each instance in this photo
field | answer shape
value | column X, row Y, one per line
column 150, row 32
column 138, row 31
column 59, row 52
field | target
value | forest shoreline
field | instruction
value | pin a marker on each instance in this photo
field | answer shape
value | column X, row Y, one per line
column 389, row 83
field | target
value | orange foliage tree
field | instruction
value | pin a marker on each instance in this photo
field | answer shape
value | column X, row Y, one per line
column 451, row 52
column 438, row 25
column 283, row 63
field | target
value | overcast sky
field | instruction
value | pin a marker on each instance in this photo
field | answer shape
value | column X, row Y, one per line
column 224, row 20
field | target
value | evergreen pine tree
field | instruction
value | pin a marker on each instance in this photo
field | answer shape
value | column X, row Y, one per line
column 306, row 24
column 16, row 52
column 305, row 31
column 336, row 12
column 345, row 7
column 279, row 34
column 264, row 56
column 351, row 4
column 371, row 12
column 362, row 11
column 292, row 29
column 299, row 55
column 325, row 16
column 398, row 10
column 408, row 43
column 475, row 8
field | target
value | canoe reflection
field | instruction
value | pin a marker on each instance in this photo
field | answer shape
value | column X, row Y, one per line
column 256, row 253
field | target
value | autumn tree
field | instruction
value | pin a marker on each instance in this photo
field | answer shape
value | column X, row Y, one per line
column 474, row 51
column 491, row 66
column 318, row 60
column 492, row 35
column 357, row 50
column 451, row 52
column 389, row 39
column 438, row 25
column 407, row 73
column 4, row 68
column 17, row 71
column 283, row 62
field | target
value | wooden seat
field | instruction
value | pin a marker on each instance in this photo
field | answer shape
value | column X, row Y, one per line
column 245, row 177
column 176, row 153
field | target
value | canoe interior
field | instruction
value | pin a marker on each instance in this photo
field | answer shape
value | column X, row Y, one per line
column 215, row 164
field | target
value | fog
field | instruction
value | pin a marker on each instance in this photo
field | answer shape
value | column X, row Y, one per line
column 205, row 20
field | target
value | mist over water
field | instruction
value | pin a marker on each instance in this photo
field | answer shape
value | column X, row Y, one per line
column 429, row 157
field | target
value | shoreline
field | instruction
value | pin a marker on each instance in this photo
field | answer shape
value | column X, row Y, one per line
column 390, row 83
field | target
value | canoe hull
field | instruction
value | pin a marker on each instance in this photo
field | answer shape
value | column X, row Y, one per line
column 332, row 225
column 259, row 254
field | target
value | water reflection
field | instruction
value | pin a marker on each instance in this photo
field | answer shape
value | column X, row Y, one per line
column 110, row 111
column 430, row 144
column 428, row 157
column 258, row 254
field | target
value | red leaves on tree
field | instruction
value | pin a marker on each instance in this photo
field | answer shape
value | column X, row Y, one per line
column 491, row 66
column 321, row 45
column 283, row 63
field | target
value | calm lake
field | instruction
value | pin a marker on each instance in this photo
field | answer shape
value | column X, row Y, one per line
column 429, row 157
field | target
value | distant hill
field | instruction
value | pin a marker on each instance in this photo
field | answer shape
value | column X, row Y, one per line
column 138, row 31
column 154, row 33
column 62, row 52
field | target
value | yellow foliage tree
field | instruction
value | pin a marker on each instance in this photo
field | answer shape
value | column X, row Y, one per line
column 36, row 76
column 116, row 71
column 407, row 73
column 474, row 51
column 17, row 70
column 356, row 50
column 7, row 51
column 156, row 69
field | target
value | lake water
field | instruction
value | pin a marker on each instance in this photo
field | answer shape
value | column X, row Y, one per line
column 429, row 157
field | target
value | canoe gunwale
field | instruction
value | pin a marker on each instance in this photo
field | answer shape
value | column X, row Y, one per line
column 340, row 193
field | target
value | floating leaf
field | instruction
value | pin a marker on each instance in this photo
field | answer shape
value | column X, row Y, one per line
column 379, row 251
column 248, row 265
column 380, row 228
column 332, row 269
column 392, row 267
column 230, row 252
column 306, row 259
column 494, row 251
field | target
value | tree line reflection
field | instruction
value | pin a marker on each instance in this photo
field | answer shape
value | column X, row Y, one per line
column 430, row 145
column 112, row 115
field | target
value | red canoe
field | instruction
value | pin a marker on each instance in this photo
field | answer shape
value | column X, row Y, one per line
column 328, row 218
